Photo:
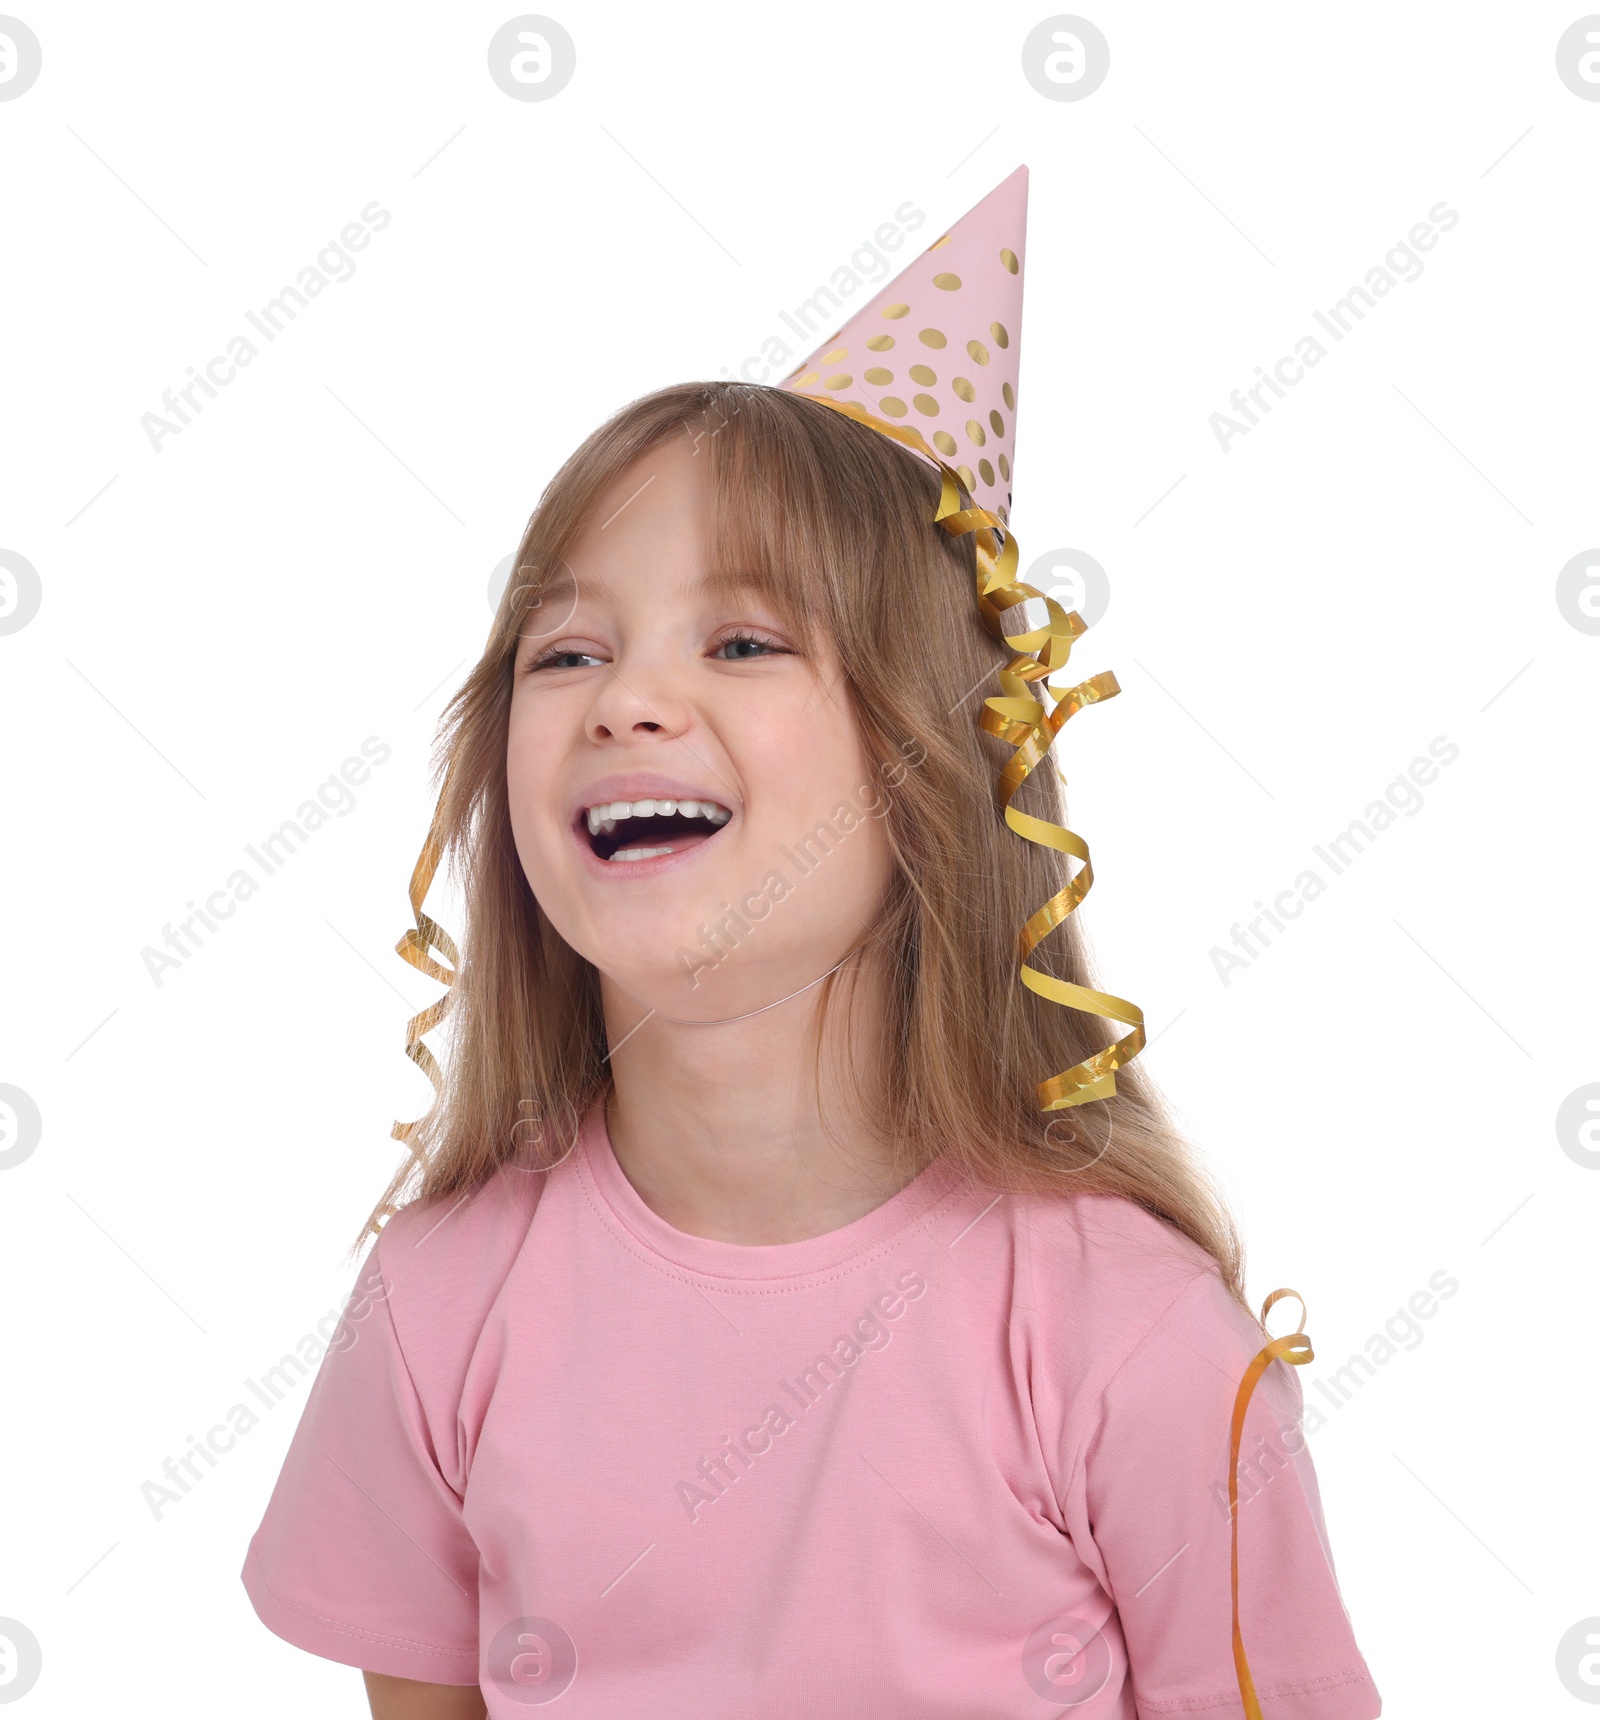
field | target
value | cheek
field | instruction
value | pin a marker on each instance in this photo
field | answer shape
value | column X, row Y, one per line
column 807, row 761
column 821, row 794
column 531, row 796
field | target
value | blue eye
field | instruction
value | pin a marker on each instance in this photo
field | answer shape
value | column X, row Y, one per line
column 560, row 660
column 737, row 645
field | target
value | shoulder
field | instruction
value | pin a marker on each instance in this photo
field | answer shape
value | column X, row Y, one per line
column 440, row 1264
column 1110, row 1232
column 1104, row 1274
column 1106, row 1245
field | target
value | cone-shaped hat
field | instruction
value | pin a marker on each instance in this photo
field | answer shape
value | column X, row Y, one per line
column 938, row 347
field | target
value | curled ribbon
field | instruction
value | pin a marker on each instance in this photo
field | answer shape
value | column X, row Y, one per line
column 1293, row 1347
column 416, row 945
column 1030, row 725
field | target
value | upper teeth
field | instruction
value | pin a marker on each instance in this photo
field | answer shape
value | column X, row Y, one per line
column 609, row 814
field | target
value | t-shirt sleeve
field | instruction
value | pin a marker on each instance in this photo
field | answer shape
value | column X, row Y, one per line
column 363, row 1555
column 1154, row 1496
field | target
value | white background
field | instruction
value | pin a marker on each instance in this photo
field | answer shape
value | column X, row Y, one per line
column 223, row 622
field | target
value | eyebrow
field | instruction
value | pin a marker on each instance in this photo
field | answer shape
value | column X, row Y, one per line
column 726, row 583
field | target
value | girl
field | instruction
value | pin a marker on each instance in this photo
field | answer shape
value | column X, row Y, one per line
column 752, row 1340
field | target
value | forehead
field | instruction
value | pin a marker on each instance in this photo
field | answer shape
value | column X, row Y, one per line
column 652, row 519
column 651, row 533
column 669, row 481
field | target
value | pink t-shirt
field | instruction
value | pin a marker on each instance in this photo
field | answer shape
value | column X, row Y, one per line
column 963, row 1459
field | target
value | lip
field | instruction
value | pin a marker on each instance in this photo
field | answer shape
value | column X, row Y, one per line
column 641, row 785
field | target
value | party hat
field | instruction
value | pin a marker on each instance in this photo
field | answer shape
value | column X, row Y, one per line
column 938, row 347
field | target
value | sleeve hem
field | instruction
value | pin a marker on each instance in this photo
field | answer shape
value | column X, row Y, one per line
column 1345, row 1696
column 350, row 1645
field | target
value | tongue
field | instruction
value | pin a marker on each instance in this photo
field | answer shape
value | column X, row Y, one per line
column 675, row 842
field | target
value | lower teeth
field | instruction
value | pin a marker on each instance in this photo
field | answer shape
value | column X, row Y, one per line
column 638, row 853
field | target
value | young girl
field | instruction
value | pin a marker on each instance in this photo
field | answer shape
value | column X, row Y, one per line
column 794, row 1315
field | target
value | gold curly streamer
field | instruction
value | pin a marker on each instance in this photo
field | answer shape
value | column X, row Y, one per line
column 416, row 945
column 1030, row 725
column 1293, row 1347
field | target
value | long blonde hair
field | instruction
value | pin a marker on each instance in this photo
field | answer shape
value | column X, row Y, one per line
column 835, row 519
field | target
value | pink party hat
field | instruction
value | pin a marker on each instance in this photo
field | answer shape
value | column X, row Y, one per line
column 938, row 347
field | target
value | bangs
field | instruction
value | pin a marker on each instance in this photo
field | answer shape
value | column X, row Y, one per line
column 808, row 507
column 766, row 535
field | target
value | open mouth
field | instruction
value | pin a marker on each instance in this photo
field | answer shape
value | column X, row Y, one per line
column 625, row 831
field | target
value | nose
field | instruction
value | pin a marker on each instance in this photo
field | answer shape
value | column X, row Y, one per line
column 636, row 703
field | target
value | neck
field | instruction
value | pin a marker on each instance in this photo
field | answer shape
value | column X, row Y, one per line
column 725, row 1130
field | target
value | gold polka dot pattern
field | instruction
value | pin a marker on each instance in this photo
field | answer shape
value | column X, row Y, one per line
column 961, row 297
